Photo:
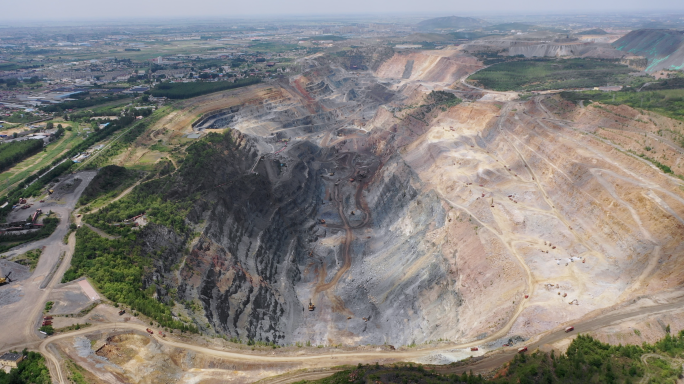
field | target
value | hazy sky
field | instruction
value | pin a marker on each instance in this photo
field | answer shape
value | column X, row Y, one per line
column 15, row 10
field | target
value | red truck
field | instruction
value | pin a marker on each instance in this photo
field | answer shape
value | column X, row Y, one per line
column 151, row 332
column 47, row 318
column 47, row 322
column 473, row 349
column 569, row 329
column 523, row 349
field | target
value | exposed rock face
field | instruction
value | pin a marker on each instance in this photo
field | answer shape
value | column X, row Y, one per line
column 402, row 221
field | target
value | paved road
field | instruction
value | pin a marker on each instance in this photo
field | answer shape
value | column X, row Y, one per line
column 20, row 319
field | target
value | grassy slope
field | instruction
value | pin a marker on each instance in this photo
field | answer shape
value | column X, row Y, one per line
column 25, row 168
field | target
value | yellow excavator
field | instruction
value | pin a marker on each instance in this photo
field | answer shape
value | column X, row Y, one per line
column 6, row 279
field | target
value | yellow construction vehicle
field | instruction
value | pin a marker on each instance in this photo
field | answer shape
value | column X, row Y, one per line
column 6, row 279
column 311, row 306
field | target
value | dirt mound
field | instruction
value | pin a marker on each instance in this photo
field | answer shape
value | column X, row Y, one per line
column 437, row 66
column 663, row 47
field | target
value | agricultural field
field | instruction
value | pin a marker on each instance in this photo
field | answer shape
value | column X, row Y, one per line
column 23, row 169
column 188, row 90
column 544, row 74
column 12, row 153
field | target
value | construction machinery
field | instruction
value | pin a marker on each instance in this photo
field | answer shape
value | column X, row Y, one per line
column 569, row 329
column 311, row 306
column 6, row 279
column 473, row 349
column 523, row 349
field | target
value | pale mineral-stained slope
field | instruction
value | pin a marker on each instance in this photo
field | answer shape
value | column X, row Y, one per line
column 351, row 192
column 443, row 66
column 574, row 191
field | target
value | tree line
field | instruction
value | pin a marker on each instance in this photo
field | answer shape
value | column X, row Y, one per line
column 188, row 90
column 14, row 152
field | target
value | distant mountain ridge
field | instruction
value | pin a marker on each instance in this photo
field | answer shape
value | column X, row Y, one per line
column 664, row 48
column 451, row 22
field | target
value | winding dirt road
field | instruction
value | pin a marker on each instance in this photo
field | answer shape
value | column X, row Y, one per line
column 485, row 364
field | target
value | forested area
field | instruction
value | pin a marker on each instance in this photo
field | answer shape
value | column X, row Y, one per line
column 542, row 74
column 31, row 370
column 110, row 179
column 586, row 361
column 188, row 90
column 147, row 198
column 116, row 267
column 14, row 152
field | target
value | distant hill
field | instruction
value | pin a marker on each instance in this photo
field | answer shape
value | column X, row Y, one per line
column 511, row 27
column 595, row 31
column 664, row 48
column 451, row 22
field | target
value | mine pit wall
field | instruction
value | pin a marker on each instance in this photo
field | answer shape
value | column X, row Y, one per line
column 251, row 272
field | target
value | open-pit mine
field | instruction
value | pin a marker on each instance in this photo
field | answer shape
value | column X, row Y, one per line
column 378, row 200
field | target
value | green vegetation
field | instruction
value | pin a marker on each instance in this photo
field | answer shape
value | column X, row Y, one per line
column 109, row 182
column 10, row 240
column 32, row 187
column 116, row 268
column 668, row 102
column 36, row 186
column 83, row 102
column 47, row 329
column 274, row 47
column 673, row 83
column 586, row 361
column 74, row 327
column 542, row 74
column 124, row 141
column 22, row 117
column 658, row 164
column 31, row 370
column 76, row 375
column 146, row 198
column 41, row 161
column 29, row 259
column 443, row 99
column 48, row 306
column 595, row 31
column 12, row 153
column 188, row 90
